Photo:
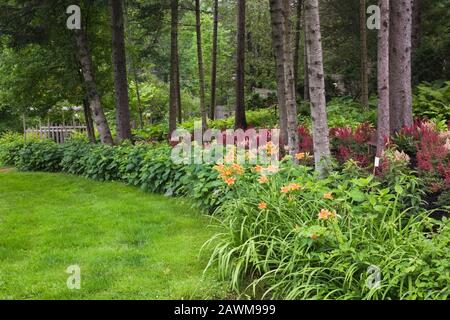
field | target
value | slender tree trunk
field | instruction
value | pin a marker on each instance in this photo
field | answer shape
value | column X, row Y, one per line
column 201, row 71
column 173, row 100
column 305, row 64
column 240, row 119
column 298, row 33
column 383, row 78
column 317, row 88
column 179, row 105
column 278, row 31
column 363, row 51
column 291, row 88
column 416, row 25
column 132, row 67
column 400, row 65
column 91, row 88
column 281, row 34
column 88, row 119
column 138, row 96
column 214, row 60
column 120, row 71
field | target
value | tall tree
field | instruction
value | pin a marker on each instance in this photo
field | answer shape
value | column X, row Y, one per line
column 120, row 71
column 174, row 99
column 363, row 52
column 383, row 77
column 416, row 33
column 278, row 26
column 298, row 31
column 91, row 87
column 400, row 65
column 214, row 60
column 280, row 12
column 201, row 71
column 89, row 123
column 305, row 64
column 240, row 119
column 317, row 87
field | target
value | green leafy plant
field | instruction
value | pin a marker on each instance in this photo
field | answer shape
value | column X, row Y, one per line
column 432, row 101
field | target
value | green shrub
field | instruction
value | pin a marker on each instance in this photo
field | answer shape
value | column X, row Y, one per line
column 40, row 156
column 10, row 145
column 74, row 158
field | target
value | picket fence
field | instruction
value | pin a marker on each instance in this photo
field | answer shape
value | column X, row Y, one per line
column 59, row 134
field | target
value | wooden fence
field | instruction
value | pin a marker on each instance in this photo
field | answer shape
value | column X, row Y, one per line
column 59, row 134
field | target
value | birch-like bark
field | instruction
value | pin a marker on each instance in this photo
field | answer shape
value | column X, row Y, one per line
column 91, row 88
column 317, row 88
column 383, row 78
column 240, row 119
column 298, row 32
column 173, row 99
column 400, row 65
column 214, row 60
column 201, row 71
column 278, row 31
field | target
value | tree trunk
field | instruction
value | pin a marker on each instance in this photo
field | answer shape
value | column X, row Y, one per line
column 179, row 105
column 138, row 96
column 240, row 119
column 383, row 78
column 291, row 90
column 317, row 88
column 120, row 71
column 91, row 88
column 88, row 120
column 281, row 35
column 173, row 100
column 363, row 51
column 201, row 71
column 400, row 65
column 298, row 30
column 277, row 21
column 214, row 60
column 416, row 33
column 305, row 63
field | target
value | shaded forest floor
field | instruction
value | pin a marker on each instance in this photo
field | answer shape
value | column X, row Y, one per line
column 128, row 244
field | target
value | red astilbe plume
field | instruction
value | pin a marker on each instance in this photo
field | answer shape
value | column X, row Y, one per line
column 305, row 139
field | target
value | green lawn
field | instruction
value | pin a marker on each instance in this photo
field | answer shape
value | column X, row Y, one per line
column 128, row 244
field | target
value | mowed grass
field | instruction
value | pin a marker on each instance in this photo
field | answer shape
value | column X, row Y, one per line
column 128, row 244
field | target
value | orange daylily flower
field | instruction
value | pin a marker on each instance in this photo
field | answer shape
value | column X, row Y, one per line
column 328, row 196
column 258, row 169
column 325, row 214
column 238, row 168
column 291, row 187
column 262, row 205
column 230, row 181
column 300, row 156
column 263, row 179
column 295, row 186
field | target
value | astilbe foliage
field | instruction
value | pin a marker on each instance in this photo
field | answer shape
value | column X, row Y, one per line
column 430, row 150
column 356, row 144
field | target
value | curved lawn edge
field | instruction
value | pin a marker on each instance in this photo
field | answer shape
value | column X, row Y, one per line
column 128, row 244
